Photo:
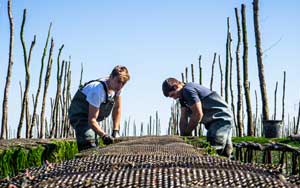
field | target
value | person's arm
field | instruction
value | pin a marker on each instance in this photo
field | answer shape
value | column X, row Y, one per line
column 183, row 123
column 196, row 116
column 116, row 113
column 92, row 119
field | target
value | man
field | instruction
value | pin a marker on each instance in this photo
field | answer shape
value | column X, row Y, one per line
column 199, row 104
column 93, row 102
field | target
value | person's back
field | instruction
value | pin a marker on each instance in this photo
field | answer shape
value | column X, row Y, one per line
column 214, row 106
column 199, row 104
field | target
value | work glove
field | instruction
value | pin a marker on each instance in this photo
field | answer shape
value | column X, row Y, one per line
column 115, row 134
column 107, row 139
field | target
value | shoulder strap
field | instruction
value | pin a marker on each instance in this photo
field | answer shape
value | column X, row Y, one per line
column 86, row 83
column 105, row 89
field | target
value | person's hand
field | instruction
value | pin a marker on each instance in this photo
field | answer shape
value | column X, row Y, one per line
column 107, row 139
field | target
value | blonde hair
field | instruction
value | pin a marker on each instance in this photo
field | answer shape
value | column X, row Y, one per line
column 121, row 72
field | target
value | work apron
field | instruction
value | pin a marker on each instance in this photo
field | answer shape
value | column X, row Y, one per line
column 78, row 116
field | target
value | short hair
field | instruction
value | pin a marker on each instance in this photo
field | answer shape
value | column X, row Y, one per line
column 168, row 85
column 121, row 72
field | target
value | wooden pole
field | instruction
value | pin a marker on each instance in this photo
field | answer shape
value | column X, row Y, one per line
column 212, row 71
column 275, row 99
column 240, row 124
column 221, row 76
column 47, row 79
column 250, row 127
column 200, row 71
column 259, row 54
column 4, row 130
column 227, row 63
column 33, row 119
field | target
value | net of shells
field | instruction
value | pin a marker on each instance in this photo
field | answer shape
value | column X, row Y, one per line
column 150, row 162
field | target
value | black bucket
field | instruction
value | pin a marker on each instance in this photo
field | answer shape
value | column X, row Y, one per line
column 272, row 128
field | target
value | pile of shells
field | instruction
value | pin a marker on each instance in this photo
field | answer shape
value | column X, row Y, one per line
column 150, row 162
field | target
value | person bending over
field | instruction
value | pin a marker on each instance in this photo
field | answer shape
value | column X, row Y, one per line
column 92, row 103
column 199, row 104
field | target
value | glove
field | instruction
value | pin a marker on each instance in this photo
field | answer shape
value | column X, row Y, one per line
column 107, row 139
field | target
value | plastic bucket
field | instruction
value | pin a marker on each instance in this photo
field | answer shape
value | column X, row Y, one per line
column 272, row 128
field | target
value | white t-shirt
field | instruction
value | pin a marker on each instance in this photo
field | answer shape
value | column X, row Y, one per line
column 95, row 93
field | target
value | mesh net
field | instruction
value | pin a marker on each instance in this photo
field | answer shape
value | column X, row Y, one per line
column 151, row 162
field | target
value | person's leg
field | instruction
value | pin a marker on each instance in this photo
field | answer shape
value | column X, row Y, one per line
column 85, row 145
column 85, row 136
column 228, row 147
column 219, row 137
column 220, row 118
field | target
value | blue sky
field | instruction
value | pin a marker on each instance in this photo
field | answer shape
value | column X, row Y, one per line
column 155, row 40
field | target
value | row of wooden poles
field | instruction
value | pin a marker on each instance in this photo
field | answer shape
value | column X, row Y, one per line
column 58, row 124
column 152, row 127
column 227, row 91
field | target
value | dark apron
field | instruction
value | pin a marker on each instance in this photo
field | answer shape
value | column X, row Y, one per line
column 79, row 107
column 78, row 115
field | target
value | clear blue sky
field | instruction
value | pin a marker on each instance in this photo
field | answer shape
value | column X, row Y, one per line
column 155, row 40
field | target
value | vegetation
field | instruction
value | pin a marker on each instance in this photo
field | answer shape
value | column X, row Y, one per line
column 199, row 142
column 17, row 158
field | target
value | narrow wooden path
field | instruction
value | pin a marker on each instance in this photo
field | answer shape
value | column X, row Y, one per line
column 165, row 161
